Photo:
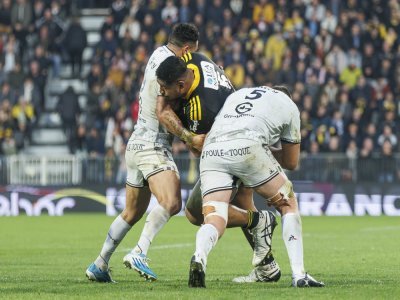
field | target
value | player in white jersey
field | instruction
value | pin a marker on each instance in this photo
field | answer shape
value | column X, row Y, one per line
column 251, row 121
column 151, row 168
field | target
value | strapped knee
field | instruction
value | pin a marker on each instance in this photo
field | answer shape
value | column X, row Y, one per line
column 281, row 198
column 216, row 208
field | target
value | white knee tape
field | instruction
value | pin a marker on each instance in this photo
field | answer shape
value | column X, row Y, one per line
column 281, row 198
column 216, row 208
column 287, row 190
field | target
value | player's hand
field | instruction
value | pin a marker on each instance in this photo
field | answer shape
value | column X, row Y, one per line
column 197, row 142
column 195, row 152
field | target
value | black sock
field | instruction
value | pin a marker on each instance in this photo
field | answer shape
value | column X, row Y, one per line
column 253, row 217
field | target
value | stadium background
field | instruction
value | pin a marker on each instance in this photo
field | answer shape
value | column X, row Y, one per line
column 70, row 72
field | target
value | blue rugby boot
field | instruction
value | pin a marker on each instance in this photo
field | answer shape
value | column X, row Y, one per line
column 94, row 273
column 139, row 263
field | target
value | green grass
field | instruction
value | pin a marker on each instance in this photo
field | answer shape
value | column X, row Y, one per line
column 46, row 258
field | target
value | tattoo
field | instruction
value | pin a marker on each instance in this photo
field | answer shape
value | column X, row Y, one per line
column 173, row 124
column 186, row 136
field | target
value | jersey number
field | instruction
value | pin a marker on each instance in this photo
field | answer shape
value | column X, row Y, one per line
column 255, row 94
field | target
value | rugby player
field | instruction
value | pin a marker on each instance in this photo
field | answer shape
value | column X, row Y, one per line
column 252, row 120
column 203, row 89
column 272, row 122
column 151, row 168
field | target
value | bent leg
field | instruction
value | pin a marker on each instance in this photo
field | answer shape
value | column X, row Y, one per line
column 137, row 200
column 237, row 217
column 281, row 187
column 136, row 203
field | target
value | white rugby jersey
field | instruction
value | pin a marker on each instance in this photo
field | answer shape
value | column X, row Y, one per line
column 261, row 114
column 148, row 126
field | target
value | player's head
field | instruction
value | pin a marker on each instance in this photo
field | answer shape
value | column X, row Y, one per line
column 283, row 89
column 172, row 77
column 184, row 36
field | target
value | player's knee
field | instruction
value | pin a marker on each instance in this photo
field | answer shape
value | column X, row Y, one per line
column 129, row 216
column 282, row 198
column 194, row 218
column 173, row 207
column 215, row 208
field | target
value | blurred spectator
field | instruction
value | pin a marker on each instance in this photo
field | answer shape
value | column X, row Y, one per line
column 366, row 165
column 119, row 10
column 185, row 13
column 275, row 48
column 5, row 16
column 75, row 42
column 95, row 143
column 108, row 24
column 170, row 11
column 7, row 141
column 7, row 94
column 30, row 92
column 130, row 26
column 350, row 75
column 21, row 18
column 51, row 29
column 69, row 110
column 16, row 76
column 387, row 171
column 387, row 136
column 23, row 114
column 38, row 79
column 107, row 45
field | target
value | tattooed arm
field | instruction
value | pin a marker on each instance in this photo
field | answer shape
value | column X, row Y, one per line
column 169, row 119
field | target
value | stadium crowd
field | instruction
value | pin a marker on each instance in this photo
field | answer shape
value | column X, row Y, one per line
column 341, row 60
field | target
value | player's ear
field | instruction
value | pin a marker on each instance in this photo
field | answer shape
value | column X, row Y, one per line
column 185, row 49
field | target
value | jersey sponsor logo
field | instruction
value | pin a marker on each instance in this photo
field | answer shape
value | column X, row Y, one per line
column 210, row 75
column 231, row 152
column 131, row 147
column 244, row 107
column 194, row 126
column 228, row 116
column 238, row 151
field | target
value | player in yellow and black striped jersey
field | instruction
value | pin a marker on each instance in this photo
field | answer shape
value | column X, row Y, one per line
column 193, row 90
column 202, row 100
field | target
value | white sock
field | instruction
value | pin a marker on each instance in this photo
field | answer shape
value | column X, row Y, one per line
column 116, row 233
column 155, row 221
column 292, row 236
column 206, row 239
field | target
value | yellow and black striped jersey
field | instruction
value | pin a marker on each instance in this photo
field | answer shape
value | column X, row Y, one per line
column 207, row 94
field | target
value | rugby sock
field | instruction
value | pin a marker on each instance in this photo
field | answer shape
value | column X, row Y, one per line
column 155, row 220
column 206, row 239
column 116, row 233
column 252, row 219
column 292, row 236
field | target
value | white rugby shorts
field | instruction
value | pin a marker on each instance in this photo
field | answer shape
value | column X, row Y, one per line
column 223, row 163
column 144, row 159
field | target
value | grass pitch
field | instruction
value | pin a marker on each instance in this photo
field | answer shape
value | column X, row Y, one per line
column 46, row 258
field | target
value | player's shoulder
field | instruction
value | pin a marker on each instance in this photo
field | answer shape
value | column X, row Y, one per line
column 158, row 56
